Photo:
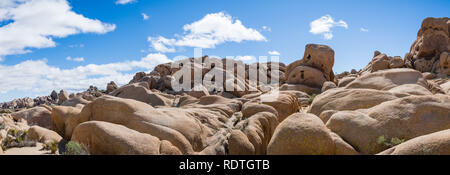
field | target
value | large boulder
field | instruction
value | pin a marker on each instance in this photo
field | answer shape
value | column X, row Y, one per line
column 286, row 103
column 251, row 136
column 251, row 108
column 437, row 143
column 432, row 40
column 403, row 118
column 307, row 76
column 35, row 116
column 60, row 114
column 43, row 135
column 388, row 79
column 349, row 99
column 301, row 134
column 103, row 138
column 198, row 130
column 77, row 101
column 111, row 86
column 62, row 96
column 141, row 93
column 318, row 56
column 300, row 87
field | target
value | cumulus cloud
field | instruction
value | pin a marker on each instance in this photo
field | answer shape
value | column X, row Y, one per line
column 246, row 58
column 34, row 24
column 77, row 59
column 145, row 16
column 41, row 78
column 274, row 52
column 364, row 29
column 323, row 26
column 123, row 2
column 211, row 30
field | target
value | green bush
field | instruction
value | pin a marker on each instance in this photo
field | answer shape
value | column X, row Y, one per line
column 393, row 142
column 51, row 146
column 311, row 99
column 75, row 148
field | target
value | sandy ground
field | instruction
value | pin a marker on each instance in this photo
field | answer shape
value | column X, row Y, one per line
column 27, row 151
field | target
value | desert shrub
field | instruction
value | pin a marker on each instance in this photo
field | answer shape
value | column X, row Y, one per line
column 393, row 142
column 311, row 99
column 16, row 138
column 51, row 146
column 75, row 148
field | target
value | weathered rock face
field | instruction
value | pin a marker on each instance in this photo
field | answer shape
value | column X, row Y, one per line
column 251, row 136
column 200, row 129
column 62, row 96
column 111, row 86
column 437, row 143
column 103, row 138
column 305, row 134
column 43, row 135
column 314, row 69
column 349, row 99
column 432, row 40
column 35, row 116
column 286, row 103
column 141, row 93
column 388, row 79
column 301, row 134
column 59, row 115
column 403, row 118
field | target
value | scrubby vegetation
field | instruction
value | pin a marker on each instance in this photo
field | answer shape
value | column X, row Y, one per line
column 75, row 148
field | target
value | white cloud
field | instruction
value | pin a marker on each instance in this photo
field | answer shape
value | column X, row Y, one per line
column 77, row 59
column 41, row 78
column 122, row 2
column 265, row 28
column 145, row 16
column 364, row 29
column 273, row 52
column 246, row 58
column 34, row 24
column 211, row 30
column 323, row 26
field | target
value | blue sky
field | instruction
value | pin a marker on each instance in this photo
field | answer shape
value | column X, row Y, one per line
column 96, row 36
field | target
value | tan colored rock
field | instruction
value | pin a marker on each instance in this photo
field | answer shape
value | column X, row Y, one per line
column 437, row 143
column 43, row 135
column 326, row 115
column 307, row 76
column 200, row 129
column 62, row 96
column 428, row 75
column 410, row 89
column 349, row 99
column 301, row 134
column 143, row 94
column 111, row 86
column 342, row 147
column 286, row 103
column 103, row 138
column 380, row 62
column 403, row 118
column 396, row 62
column 35, row 116
column 328, row 85
column 444, row 63
column 388, row 79
column 253, row 134
column 75, row 101
column 59, row 116
column 238, row 144
column 300, row 87
column 446, row 87
column 251, row 108
column 198, row 91
column 346, row 80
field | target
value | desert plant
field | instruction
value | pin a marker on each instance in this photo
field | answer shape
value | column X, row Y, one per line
column 75, row 148
column 51, row 146
column 311, row 99
column 393, row 142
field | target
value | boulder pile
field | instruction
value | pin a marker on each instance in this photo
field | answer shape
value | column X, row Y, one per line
column 393, row 106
